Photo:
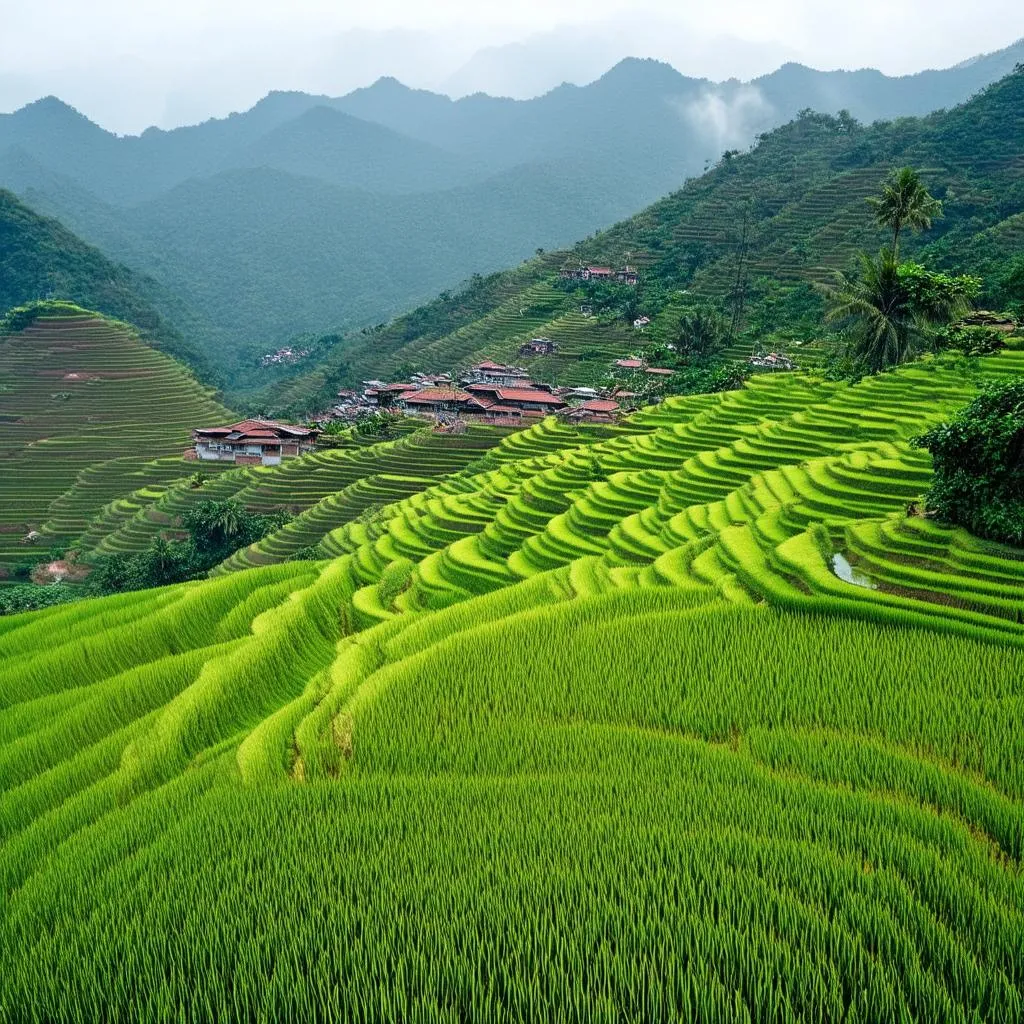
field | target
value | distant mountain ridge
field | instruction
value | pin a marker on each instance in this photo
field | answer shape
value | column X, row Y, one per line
column 309, row 212
column 759, row 229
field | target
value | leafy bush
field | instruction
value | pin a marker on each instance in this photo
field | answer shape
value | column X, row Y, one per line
column 30, row 598
column 979, row 465
column 972, row 340
column 216, row 530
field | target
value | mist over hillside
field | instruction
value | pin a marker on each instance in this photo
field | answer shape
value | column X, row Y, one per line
column 310, row 212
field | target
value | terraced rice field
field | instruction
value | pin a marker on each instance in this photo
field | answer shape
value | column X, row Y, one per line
column 323, row 490
column 88, row 413
column 590, row 729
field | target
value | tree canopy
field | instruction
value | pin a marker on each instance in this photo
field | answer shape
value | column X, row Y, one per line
column 905, row 203
column 979, row 465
column 888, row 309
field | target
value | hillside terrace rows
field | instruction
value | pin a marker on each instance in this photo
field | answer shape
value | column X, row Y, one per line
column 380, row 472
column 750, row 492
column 583, row 610
column 88, row 412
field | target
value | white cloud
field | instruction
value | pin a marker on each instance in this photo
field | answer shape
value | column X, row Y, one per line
column 729, row 120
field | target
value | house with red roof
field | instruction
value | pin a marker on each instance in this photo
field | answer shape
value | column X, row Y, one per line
column 387, row 396
column 253, row 442
column 594, row 410
column 627, row 275
column 432, row 401
column 522, row 399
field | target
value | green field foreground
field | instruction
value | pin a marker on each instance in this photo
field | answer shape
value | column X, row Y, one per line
column 588, row 729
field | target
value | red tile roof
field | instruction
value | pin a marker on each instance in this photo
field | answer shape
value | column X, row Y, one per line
column 630, row 364
column 600, row 405
column 256, row 428
column 488, row 365
column 429, row 396
column 659, row 371
column 495, row 388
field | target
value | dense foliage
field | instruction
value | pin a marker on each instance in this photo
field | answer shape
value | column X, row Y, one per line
column 42, row 260
column 891, row 309
column 215, row 530
column 979, row 465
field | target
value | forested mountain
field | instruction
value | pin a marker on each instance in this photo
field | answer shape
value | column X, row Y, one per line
column 751, row 237
column 310, row 212
column 40, row 259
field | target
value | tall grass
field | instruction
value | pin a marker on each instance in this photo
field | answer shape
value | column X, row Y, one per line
column 590, row 731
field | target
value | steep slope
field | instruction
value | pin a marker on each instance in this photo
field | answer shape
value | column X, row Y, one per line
column 88, row 412
column 40, row 258
column 758, row 229
column 289, row 254
column 595, row 718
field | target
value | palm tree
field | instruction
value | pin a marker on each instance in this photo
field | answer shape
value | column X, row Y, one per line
column 227, row 519
column 877, row 310
column 701, row 332
column 884, row 314
column 905, row 202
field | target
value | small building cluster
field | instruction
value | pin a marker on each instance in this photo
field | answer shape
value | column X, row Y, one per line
column 538, row 347
column 252, row 442
column 488, row 392
column 283, row 356
column 627, row 275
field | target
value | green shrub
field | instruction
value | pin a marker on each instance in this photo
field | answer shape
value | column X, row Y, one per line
column 979, row 465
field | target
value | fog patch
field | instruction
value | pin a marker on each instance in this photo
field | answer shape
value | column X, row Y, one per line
column 727, row 117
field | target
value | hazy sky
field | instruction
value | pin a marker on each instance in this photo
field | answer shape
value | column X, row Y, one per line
column 131, row 63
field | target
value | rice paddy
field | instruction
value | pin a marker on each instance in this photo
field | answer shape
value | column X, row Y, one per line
column 585, row 727
column 88, row 414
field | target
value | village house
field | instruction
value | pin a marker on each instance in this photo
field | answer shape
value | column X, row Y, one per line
column 630, row 364
column 594, row 410
column 253, row 442
column 538, row 347
column 488, row 372
column 659, row 371
column 387, row 396
column 433, row 401
column 772, row 361
column 517, row 400
column 641, row 322
column 627, row 275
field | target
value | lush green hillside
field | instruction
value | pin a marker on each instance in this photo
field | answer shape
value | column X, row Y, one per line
column 41, row 259
column 763, row 226
column 88, row 412
column 588, row 730
column 312, row 213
